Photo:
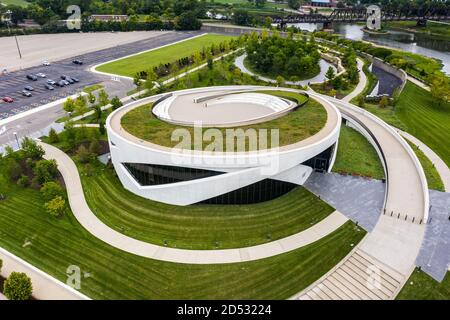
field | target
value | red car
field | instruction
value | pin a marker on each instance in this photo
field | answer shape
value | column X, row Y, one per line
column 8, row 99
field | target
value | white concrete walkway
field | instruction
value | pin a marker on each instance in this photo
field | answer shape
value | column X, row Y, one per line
column 45, row 287
column 439, row 164
column 386, row 257
column 361, row 84
column 97, row 228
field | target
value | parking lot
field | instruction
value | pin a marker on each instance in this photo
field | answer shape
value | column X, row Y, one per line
column 13, row 84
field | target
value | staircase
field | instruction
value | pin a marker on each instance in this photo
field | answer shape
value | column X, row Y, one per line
column 358, row 277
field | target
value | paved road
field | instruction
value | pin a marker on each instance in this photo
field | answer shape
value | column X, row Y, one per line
column 12, row 84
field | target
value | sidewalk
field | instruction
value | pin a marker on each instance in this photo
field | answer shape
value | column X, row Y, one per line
column 97, row 228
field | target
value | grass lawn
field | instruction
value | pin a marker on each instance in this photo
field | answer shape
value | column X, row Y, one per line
column 431, row 28
column 56, row 243
column 200, row 226
column 144, row 61
column 93, row 88
column 388, row 115
column 433, row 178
column 295, row 126
column 356, row 155
column 21, row 3
column 421, row 286
column 425, row 120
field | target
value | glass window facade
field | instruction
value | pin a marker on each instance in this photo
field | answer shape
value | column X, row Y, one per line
column 152, row 174
column 261, row 191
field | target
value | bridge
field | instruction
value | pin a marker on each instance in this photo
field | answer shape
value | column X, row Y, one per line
column 351, row 15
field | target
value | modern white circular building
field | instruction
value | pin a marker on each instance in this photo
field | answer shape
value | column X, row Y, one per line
column 205, row 122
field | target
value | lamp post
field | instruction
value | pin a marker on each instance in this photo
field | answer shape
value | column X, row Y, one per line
column 9, row 12
column 17, row 139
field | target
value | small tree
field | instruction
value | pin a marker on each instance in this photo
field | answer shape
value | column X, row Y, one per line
column 103, row 98
column 56, row 206
column 330, row 73
column 137, row 81
column 18, row 287
column 102, row 128
column 333, row 93
column 116, row 103
column 98, row 112
column 23, row 181
column 69, row 105
column 83, row 154
column 31, row 149
column 45, row 171
column 50, row 190
column 361, row 101
column 94, row 147
column 209, row 60
column 280, row 81
column 384, row 102
column 81, row 104
column 53, row 136
column 91, row 98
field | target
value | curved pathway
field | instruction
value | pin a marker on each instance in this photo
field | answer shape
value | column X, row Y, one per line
column 385, row 258
column 361, row 84
column 97, row 228
column 438, row 163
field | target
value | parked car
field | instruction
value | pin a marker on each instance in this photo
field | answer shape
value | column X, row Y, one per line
column 75, row 79
column 60, row 83
column 66, row 83
column 49, row 87
column 8, row 99
column 26, row 93
column 70, row 80
column 79, row 62
column 32, row 77
column 51, row 82
column 46, row 63
column 29, row 88
column 41, row 75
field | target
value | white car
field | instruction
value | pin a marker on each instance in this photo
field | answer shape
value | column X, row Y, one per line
column 46, row 63
column 41, row 75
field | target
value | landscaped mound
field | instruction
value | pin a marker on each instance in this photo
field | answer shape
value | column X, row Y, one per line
column 275, row 56
column 297, row 125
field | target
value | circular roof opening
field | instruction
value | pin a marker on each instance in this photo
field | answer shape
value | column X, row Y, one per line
column 220, row 108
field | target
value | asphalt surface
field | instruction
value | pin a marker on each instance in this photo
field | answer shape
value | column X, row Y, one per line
column 31, row 125
column 12, row 84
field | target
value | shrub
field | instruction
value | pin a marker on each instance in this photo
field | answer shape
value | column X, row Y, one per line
column 51, row 190
column 13, row 168
column 361, row 101
column 31, row 149
column 56, row 206
column 116, row 103
column 94, row 147
column 18, row 286
column 384, row 102
column 23, row 181
column 53, row 136
column 45, row 171
column 83, row 154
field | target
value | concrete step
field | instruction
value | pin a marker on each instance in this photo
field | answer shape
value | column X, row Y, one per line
column 347, row 291
column 371, row 285
column 350, row 286
column 338, row 291
column 328, row 292
column 394, row 275
column 382, row 276
column 344, row 272
column 320, row 293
